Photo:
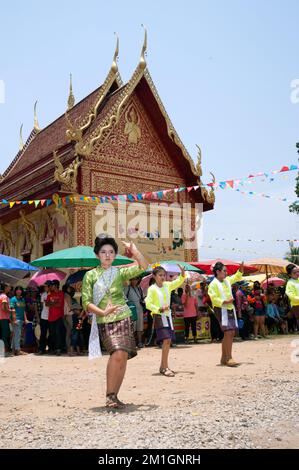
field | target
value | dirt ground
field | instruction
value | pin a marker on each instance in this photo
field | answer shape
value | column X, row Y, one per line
column 51, row 402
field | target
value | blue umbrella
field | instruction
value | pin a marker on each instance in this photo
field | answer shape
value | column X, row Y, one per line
column 13, row 269
column 8, row 263
column 76, row 277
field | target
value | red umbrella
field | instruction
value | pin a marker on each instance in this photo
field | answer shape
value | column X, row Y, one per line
column 276, row 281
column 231, row 266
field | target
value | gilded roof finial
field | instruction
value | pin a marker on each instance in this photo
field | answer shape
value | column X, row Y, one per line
column 114, row 66
column 198, row 164
column 71, row 98
column 142, row 61
column 36, row 125
column 21, row 138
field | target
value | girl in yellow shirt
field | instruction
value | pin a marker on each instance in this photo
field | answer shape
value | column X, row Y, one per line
column 158, row 303
column 220, row 293
column 292, row 291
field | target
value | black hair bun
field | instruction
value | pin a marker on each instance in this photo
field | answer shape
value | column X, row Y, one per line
column 102, row 240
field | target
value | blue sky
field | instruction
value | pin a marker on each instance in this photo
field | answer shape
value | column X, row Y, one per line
column 223, row 71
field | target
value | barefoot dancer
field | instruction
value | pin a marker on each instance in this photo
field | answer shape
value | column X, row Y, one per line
column 103, row 295
column 220, row 293
column 158, row 302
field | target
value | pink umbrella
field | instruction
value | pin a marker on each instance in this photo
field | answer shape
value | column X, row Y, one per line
column 276, row 281
column 44, row 275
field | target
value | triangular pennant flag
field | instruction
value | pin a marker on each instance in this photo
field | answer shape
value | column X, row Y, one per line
column 189, row 188
column 30, row 202
column 42, row 201
column 293, row 167
column 18, row 202
column 11, row 204
column 284, row 168
column 49, row 202
column 230, row 183
column 196, row 188
column 160, row 194
column 36, row 203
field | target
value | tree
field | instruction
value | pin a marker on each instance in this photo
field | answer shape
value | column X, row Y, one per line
column 295, row 206
column 293, row 254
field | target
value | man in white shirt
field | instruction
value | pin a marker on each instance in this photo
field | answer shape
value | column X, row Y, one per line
column 44, row 323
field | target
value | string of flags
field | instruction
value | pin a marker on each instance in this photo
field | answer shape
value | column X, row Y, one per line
column 289, row 240
column 254, row 193
column 250, row 179
column 65, row 200
column 239, row 250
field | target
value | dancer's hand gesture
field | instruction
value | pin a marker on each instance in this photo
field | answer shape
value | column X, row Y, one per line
column 182, row 270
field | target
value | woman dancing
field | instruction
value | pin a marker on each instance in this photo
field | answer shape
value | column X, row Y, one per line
column 103, row 295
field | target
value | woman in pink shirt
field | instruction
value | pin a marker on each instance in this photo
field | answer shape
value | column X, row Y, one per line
column 190, row 312
column 4, row 315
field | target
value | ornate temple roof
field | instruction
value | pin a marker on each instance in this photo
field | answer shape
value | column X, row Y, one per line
column 86, row 124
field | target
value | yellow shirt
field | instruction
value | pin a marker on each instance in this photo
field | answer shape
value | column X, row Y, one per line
column 215, row 294
column 292, row 291
column 152, row 300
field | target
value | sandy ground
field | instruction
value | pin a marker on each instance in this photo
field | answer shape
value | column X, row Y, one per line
column 57, row 402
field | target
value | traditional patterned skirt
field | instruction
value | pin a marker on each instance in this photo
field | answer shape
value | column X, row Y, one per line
column 118, row 335
column 294, row 312
column 163, row 332
column 231, row 324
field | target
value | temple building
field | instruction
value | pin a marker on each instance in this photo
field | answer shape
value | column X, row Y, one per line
column 118, row 140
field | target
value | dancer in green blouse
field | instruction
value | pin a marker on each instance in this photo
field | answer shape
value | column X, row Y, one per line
column 103, row 296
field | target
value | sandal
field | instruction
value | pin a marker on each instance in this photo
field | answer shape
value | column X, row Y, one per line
column 111, row 401
column 120, row 403
column 167, row 372
column 232, row 363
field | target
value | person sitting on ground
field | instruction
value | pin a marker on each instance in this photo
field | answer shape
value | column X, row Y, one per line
column 272, row 315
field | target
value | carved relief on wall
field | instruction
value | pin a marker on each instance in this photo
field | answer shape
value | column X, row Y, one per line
column 28, row 234
column 132, row 128
column 46, row 230
column 148, row 154
column 6, row 242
